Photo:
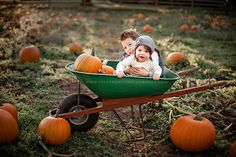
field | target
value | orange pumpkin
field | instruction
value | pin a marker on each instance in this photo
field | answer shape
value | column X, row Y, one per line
column 107, row 69
column 232, row 151
column 55, row 131
column 147, row 28
column 184, row 27
column 104, row 16
column 9, row 129
column 75, row 47
column 195, row 27
column 175, row 57
column 29, row 54
column 139, row 16
column 87, row 63
column 190, row 134
column 11, row 109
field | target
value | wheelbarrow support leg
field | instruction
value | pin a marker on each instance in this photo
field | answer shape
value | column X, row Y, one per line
column 132, row 112
column 79, row 86
column 141, row 117
column 123, row 124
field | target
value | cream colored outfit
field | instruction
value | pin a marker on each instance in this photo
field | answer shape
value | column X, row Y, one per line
column 131, row 61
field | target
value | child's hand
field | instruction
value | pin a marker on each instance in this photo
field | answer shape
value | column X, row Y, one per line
column 155, row 77
column 137, row 71
column 120, row 74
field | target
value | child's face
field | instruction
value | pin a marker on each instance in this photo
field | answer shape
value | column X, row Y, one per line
column 142, row 54
column 128, row 46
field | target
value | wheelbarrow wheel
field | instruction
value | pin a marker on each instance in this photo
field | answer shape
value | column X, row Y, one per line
column 84, row 122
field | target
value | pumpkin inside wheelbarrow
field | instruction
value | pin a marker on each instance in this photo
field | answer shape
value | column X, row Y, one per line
column 109, row 86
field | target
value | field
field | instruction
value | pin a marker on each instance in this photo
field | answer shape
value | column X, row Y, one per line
column 36, row 88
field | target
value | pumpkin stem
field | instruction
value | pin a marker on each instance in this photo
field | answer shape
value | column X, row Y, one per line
column 93, row 52
column 57, row 113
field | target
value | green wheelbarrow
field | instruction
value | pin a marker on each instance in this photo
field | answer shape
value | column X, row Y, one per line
column 82, row 111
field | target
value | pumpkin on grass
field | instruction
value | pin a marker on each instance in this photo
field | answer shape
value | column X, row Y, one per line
column 11, row 109
column 147, row 28
column 75, row 47
column 175, row 57
column 232, row 151
column 9, row 129
column 29, row 54
column 184, row 27
column 87, row 63
column 193, row 133
column 55, row 131
column 195, row 27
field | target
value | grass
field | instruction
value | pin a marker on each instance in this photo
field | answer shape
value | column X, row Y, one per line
column 36, row 88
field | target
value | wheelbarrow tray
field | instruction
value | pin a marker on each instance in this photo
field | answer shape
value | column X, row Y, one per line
column 109, row 86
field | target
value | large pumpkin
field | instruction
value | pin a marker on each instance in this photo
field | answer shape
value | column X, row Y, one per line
column 107, row 69
column 55, row 131
column 192, row 135
column 87, row 63
column 175, row 57
column 232, row 151
column 11, row 109
column 9, row 129
column 75, row 47
column 29, row 54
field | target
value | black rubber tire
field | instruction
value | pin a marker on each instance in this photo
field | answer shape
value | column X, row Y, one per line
column 69, row 104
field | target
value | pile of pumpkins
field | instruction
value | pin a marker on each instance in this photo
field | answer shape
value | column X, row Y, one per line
column 53, row 130
column 91, row 64
column 31, row 53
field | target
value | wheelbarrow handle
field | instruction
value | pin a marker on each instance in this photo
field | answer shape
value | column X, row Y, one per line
column 184, row 72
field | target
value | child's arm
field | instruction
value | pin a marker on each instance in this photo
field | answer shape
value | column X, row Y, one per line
column 156, row 71
column 122, row 65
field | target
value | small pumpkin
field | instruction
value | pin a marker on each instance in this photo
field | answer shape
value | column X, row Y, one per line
column 195, row 27
column 139, row 16
column 104, row 16
column 87, row 63
column 9, row 129
column 11, row 109
column 232, row 151
column 29, row 54
column 192, row 134
column 75, row 47
column 55, row 131
column 147, row 28
column 107, row 69
column 175, row 57
column 184, row 27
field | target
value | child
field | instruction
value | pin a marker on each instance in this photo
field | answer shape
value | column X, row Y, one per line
column 144, row 47
column 127, row 40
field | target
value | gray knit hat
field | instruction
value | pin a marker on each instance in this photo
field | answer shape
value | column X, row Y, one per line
column 145, row 40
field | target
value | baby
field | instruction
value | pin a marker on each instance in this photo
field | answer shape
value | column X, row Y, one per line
column 144, row 47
